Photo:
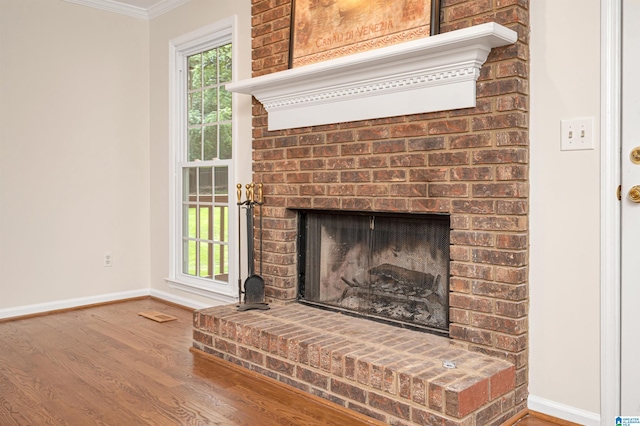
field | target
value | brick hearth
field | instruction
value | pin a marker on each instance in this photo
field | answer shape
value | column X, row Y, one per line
column 391, row 374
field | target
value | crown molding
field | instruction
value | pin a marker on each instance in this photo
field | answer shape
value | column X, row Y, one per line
column 154, row 11
column 434, row 73
column 163, row 7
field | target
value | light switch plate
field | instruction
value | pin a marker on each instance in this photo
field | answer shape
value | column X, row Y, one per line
column 576, row 134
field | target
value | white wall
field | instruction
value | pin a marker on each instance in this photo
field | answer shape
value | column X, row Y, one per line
column 74, row 152
column 564, row 223
column 185, row 19
column 84, row 150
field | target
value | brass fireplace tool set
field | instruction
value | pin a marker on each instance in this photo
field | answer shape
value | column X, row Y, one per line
column 254, row 297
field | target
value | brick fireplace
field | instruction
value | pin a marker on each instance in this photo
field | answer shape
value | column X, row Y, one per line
column 469, row 164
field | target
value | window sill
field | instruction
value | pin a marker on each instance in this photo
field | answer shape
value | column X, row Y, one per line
column 220, row 295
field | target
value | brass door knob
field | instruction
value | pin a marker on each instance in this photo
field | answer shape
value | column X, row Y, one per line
column 635, row 155
column 634, row 194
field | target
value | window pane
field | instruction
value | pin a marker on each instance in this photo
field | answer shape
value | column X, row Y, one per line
column 195, row 108
column 194, row 72
column 206, row 257
column 225, row 141
column 205, row 184
column 189, row 212
column 210, row 106
column 225, row 104
column 209, row 68
column 221, row 224
column 195, row 144
column 205, row 222
column 221, row 256
column 221, row 180
column 224, row 56
column 211, row 142
column 189, row 257
column 225, row 228
column 189, row 184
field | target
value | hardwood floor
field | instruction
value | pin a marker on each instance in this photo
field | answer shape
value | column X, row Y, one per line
column 107, row 365
column 539, row 419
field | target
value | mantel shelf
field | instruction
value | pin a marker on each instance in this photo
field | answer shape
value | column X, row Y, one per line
column 434, row 73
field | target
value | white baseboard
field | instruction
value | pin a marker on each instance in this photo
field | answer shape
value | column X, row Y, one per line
column 563, row 412
column 70, row 303
column 57, row 305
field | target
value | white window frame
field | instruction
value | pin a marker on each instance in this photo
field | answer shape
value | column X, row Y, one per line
column 180, row 48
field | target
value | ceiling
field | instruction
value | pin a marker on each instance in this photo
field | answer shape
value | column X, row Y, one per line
column 143, row 9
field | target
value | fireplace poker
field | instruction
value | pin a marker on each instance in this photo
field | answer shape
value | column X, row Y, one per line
column 260, row 202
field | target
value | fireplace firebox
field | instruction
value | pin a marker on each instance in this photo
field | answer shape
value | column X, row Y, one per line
column 384, row 266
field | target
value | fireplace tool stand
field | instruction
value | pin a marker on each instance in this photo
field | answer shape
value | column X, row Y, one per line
column 254, row 294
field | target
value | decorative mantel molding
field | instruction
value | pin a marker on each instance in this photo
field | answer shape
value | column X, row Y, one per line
column 435, row 73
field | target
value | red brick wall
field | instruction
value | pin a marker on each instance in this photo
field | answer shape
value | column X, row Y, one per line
column 471, row 163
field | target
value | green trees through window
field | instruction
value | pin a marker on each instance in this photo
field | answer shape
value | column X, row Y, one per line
column 209, row 114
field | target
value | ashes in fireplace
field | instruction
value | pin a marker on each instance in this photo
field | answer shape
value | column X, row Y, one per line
column 384, row 266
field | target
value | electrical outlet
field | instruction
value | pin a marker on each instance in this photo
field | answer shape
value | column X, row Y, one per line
column 108, row 259
column 576, row 134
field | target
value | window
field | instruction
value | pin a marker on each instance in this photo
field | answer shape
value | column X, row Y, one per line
column 205, row 169
column 202, row 144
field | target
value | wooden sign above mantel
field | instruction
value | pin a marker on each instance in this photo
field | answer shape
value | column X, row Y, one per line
column 435, row 73
column 322, row 30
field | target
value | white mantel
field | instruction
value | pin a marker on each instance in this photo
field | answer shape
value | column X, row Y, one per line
column 434, row 73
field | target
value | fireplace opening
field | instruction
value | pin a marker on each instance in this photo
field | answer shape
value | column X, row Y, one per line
column 384, row 266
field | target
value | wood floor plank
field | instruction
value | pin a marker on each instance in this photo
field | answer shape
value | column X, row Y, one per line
column 533, row 418
column 151, row 368
column 106, row 365
column 133, row 390
column 54, row 381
